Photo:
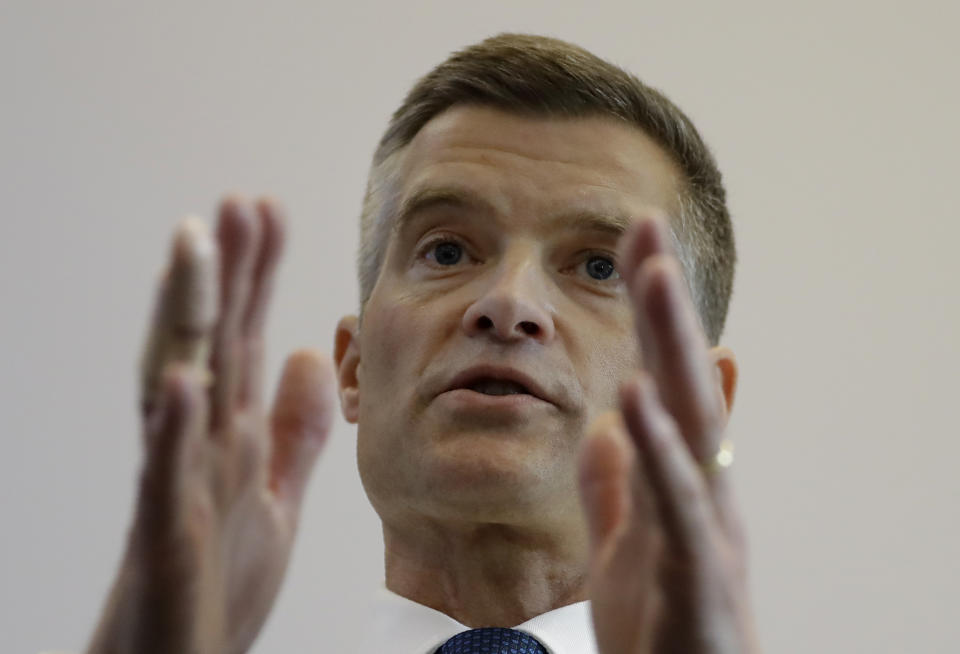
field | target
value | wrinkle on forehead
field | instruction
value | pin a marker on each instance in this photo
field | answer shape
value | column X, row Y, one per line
column 480, row 144
column 592, row 215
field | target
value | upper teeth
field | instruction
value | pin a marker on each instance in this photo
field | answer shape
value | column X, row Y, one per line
column 497, row 387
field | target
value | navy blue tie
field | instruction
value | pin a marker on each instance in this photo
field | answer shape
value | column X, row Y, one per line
column 492, row 640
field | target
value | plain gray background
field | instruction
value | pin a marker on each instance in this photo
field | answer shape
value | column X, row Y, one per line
column 835, row 125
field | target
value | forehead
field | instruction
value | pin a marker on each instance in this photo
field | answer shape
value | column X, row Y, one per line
column 520, row 163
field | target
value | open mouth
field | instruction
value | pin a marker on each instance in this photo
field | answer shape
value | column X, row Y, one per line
column 516, row 387
column 490, row 386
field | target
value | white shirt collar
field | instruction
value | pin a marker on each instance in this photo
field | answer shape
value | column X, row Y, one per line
column 403, row 626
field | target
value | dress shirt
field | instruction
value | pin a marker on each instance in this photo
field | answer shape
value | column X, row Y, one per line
column 402, row 626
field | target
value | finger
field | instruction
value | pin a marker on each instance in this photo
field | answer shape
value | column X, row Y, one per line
column 647, row 237
column 271, row 219
column 625, row 535
column 675, row 352
column 300, row 423
column 184, row 311
column 238, row 233
column 672, row 343
column 173, row 434
column 606, row 460
column 617, row 500
column 680, row 495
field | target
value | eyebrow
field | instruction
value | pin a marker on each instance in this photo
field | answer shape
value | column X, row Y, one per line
column 614, row 223
column 432, row 197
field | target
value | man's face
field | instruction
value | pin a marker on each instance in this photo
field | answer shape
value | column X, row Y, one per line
column 499, row 327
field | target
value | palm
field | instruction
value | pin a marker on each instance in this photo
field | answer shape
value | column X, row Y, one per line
column 251, row 536
column 646, row 600
column 222, row 482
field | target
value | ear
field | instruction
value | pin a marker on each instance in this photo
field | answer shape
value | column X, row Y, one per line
column 727, row 371
column 346, row 357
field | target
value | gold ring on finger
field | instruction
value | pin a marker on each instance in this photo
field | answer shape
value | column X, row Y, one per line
column 721, row 460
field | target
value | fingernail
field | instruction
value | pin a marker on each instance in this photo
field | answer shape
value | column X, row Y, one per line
column 193, row 241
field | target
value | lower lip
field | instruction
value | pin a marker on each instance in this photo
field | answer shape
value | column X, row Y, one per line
column 468, row 399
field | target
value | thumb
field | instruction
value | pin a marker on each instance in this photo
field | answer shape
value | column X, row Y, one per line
column 606, row 459
column 300, row 423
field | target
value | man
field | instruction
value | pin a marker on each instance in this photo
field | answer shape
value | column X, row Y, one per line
column 540, row 413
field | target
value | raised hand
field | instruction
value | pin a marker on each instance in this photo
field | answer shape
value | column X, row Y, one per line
column 668, row 554
column 222, row 479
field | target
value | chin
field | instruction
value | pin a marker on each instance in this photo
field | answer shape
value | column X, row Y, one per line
column 489, row 481
column 500, row 471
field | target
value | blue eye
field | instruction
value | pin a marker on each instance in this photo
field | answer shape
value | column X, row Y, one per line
column 600, row 268
column 446, row 253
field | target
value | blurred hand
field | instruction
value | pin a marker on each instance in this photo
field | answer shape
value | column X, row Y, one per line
column 222, row 479
column 668, row 553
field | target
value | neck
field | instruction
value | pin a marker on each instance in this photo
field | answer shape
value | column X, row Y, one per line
column 485, row 575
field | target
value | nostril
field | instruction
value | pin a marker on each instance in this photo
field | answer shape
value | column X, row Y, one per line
column 483, row 322
column 530, row 328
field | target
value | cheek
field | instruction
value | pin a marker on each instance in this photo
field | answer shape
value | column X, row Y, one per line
column 400, row 335
column 388, row 333
column 609, row 361
column 615, row 365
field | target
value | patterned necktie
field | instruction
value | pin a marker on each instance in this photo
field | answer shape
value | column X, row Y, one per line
column 492, row 640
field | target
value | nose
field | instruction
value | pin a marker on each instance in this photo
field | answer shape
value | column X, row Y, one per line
column 513, row 305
